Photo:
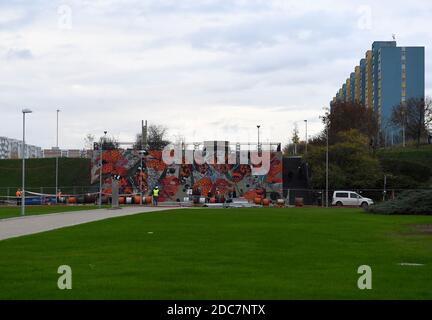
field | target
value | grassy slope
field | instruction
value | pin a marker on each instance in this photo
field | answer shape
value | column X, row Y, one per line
column 422, row 155
column 41, row 172
column 410, row 166
column 229, row 254
column 10, row 212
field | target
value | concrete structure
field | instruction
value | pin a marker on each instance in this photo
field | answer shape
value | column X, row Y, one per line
column 141, row 173
column 52, row 153
column 71, row 153
column 12, row 149
column 387, row 76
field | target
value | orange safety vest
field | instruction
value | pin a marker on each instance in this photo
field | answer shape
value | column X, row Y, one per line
column 18, row 194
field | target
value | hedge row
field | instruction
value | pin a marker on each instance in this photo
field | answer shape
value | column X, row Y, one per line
column 416, row 202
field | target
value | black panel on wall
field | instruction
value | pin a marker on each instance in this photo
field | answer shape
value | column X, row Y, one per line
column 296, row 176
column 295, row 173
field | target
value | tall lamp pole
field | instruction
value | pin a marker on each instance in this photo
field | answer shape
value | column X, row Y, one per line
column 258, row 147
column 306, row 141
column 57, row 158
column 24, row 111
column 327, row 167
column 403, row 128
column 142, row 153
column 101, row 169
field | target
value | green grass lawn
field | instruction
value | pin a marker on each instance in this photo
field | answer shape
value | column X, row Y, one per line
column 15, row 211
column 224, row 254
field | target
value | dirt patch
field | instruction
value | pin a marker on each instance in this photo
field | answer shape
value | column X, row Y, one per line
column 421, row 229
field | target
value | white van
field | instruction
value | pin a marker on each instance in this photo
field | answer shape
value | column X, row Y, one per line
column 350, row 198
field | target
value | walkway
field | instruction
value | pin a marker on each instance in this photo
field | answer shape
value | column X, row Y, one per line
column 21, row 226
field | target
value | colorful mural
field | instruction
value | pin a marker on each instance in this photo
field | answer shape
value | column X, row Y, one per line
column 141, row 175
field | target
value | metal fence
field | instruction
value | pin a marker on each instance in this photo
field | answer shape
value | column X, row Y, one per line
column 310, row 197
column 318, row 197
column 73, row 190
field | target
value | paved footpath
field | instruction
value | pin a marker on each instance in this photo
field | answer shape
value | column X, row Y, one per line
column 21, row 226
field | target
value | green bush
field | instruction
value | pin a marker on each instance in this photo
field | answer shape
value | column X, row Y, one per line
column 415, row 202
column 352, row 165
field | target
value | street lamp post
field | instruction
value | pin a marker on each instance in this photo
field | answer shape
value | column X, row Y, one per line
column 141, row 177
column 24, row 111
column 258, row 147
column 327, row 167
column 101, row 169
column 306, row 143
column 57, row 160
column 403, row 128
column 142, row 152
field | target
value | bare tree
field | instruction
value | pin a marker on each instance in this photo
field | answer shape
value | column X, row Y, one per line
column 428, row 114
column 108, row 143
column 89, row 141
column 156, row 137
column 295, row 138
column 346, row 116
column 415, row 117
column 293, row 148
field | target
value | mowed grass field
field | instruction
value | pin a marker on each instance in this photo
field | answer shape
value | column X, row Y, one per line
column 15, row 211
column 224, row 254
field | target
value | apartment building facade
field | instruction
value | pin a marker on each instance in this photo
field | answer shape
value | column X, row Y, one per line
column 387, row 76
column 12, row 149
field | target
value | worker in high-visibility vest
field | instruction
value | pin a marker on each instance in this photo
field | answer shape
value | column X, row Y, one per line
column 18, row 195
column 155, row 195
column 58, row 196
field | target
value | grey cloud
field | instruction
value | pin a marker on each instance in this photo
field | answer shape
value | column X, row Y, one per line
column 17, row 14
column 274, row 29
column 19, row 54
column 205, row 6
column 263, row 65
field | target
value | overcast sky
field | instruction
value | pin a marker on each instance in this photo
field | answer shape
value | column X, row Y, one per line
column 207, row 69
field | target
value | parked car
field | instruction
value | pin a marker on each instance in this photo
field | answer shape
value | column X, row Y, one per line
column 350, row 198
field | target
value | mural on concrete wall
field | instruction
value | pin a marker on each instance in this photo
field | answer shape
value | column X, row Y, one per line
column 174, row 180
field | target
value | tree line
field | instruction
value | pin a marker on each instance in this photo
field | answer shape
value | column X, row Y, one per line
column 355, row 144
